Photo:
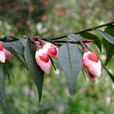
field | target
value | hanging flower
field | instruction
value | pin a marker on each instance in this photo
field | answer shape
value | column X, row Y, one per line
column 44, row 51
column 51, row 49
column 43, row 60
column 92, row 65
column 4, row 54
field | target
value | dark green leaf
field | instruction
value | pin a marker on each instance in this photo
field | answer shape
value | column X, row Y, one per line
column 17, row 46
column 7, row 69
column 23, row 41
column 108, row 46
column 111, row 75
column 70, row 59
column 106, row 36
column 37, row 73
column 3, row 101
column 91, row 36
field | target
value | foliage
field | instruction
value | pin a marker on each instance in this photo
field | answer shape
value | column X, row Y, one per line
column 92, row 93
column 68, row 53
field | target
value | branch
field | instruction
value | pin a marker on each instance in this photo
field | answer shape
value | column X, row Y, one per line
column 36, row 38
column 10, row 38
column 86, row 30
column 74, row 42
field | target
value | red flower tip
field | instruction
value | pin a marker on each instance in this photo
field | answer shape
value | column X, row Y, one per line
column 1, row 46
column 93, row 57
column 44, row 57
column 52, row 51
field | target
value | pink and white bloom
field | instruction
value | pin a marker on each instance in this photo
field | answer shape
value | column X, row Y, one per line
column 51, row 50
column 92, row 65
column 4, row 54
column 7, row 54
column 2, row 57
column 43, row 60
column 43, row 53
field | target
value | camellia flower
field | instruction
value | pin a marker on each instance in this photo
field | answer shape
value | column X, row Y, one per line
column 44, row 51
column 51, row 49
column 43, row 60
column 92, row 65
column 4, row 54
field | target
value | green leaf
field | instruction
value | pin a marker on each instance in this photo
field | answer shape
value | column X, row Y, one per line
column 37, row 73
column 108, row 46
column 111, row 75
column 91, row 36
column 3, row 101
column 106, row 36
column 17, row 46
column 110, row 30
column 23, row 41
column 70, row 59
column 7, row 69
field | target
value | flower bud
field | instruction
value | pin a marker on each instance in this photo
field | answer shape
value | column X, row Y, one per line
column 43, row 60
column 51, row 49
column 43, row 53
column 4, row 54
column 7, row 54
column 92, row 65
column 2, row 57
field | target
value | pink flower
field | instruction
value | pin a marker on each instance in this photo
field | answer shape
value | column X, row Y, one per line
column 7, row 53
column 43, row 60
column 2, row 57
column 58, row 6
column 60, row 13
column 92, row 65
column 43, row 53
column 51, row 50
column 4, row 54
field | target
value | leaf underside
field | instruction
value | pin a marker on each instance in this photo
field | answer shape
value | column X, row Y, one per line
column 108, row 42
column 70, row 60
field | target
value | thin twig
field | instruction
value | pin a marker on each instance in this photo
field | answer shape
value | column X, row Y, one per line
column 86, row 30
column 74, row 42
column 5, row 39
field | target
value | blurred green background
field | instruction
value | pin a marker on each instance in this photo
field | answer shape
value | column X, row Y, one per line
column 50, row 18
